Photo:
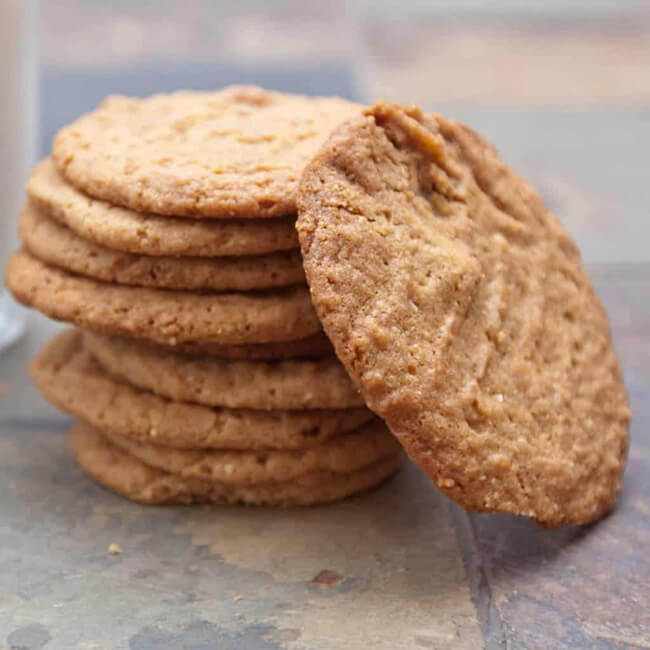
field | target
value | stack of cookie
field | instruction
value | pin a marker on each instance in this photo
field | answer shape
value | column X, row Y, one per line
column 164, row 230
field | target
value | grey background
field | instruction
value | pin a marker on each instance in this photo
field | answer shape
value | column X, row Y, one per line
column 562, row 89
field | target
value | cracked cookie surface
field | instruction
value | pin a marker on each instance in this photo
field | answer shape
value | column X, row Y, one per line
column 237, row 152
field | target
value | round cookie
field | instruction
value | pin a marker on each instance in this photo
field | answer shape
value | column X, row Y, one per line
column 343, row 455
column 237, row 152
column 305, row 384
column 312, row 347
column 59, row 246
column 147, row 234
column 72, row 380
column 459, row 306
column 135, row 480
column 161, row 315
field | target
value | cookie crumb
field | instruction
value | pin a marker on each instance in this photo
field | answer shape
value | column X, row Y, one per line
column 327, row 578
column 114, row 549
column 237, row 597
column 153, row 432
column 228, row 468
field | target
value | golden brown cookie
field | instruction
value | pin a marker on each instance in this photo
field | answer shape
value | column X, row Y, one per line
column 58, row 246
column 312, row 347
column 237, row 152
column 459, row 305
column 161, row 315
column 304, row 384
column 135, row 480
column 147, row 234
column 72, row 380
column 343, row 455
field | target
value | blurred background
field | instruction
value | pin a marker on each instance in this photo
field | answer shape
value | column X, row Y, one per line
column 561, row 88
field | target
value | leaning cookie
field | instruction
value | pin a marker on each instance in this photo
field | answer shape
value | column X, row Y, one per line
column 459, row 306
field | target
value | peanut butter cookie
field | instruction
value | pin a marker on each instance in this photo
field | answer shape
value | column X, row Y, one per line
column 130, row 477
column 460, row 307
column 59, row 246
column 163, row 316
column 148, row 234
column 71, row 379
column 237, row 152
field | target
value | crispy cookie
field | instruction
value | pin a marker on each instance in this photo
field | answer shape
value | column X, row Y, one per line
column 72, row 380
column 459, row 305
column 237, row 152
column 164, row 316
column 342, row 455
column 147, row 234
column 57, row 245
column 312, row 347
column 305, row 384
column 135, row 480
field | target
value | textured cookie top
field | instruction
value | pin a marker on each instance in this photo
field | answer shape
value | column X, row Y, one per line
column 235, row 152
column 148, row 234
column 459, row 305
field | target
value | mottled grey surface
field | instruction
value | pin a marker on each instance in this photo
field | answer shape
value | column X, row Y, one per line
column 414, row 570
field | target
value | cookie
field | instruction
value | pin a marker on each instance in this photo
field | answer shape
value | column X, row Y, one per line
column 343, row 455
column 146, row 234
column 72, row 380
column 135, row 480
column 305, row 384
column 312, row 347
column 237, row 152
column 164, row 316
column 459, row 305
column 59, row 246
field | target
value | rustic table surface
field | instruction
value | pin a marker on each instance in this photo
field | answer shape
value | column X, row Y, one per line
column 408, row 568
column 565, row 99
